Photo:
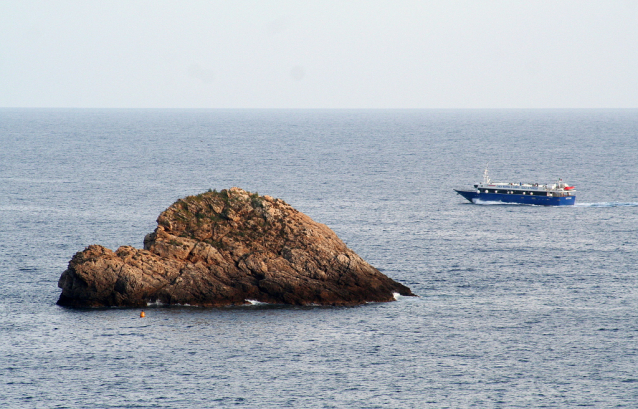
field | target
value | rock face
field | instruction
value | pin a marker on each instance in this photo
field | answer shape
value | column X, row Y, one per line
column 224, row 248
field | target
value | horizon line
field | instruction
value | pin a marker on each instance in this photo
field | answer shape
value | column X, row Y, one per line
column 326, row 109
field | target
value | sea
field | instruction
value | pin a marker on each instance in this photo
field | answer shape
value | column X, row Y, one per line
column 518, row 306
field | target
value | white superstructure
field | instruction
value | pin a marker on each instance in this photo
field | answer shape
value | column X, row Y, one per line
column 558, row 189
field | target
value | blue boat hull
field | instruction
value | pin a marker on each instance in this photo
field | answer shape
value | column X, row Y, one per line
column 473, row 196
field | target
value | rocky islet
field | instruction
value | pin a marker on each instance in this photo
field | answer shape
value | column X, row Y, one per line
column 226, row 248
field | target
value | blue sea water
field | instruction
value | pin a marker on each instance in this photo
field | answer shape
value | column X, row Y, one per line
column 519, row 306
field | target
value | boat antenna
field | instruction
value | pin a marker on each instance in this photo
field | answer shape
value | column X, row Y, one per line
column 486, row 177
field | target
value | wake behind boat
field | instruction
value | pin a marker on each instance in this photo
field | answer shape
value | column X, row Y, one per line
column 556, row 194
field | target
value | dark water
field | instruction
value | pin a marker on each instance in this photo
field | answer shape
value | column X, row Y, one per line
column 520, row 306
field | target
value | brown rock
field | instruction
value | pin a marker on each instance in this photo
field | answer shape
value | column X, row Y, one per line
column 224, row 248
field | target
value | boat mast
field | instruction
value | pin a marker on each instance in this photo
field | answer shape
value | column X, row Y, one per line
column 486, row 177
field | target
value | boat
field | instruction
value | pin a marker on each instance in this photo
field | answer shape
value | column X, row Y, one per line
column 554, row 194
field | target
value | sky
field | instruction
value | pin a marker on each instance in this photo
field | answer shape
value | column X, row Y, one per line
column 319, row 54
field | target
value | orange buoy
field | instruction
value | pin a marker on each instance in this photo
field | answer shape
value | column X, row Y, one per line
column 142, row 314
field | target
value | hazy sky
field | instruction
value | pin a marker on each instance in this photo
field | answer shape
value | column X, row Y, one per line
column 319, row 54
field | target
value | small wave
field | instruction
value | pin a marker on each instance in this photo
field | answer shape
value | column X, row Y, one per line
column 156, row 303
column 255, row 302
column 608, row 204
